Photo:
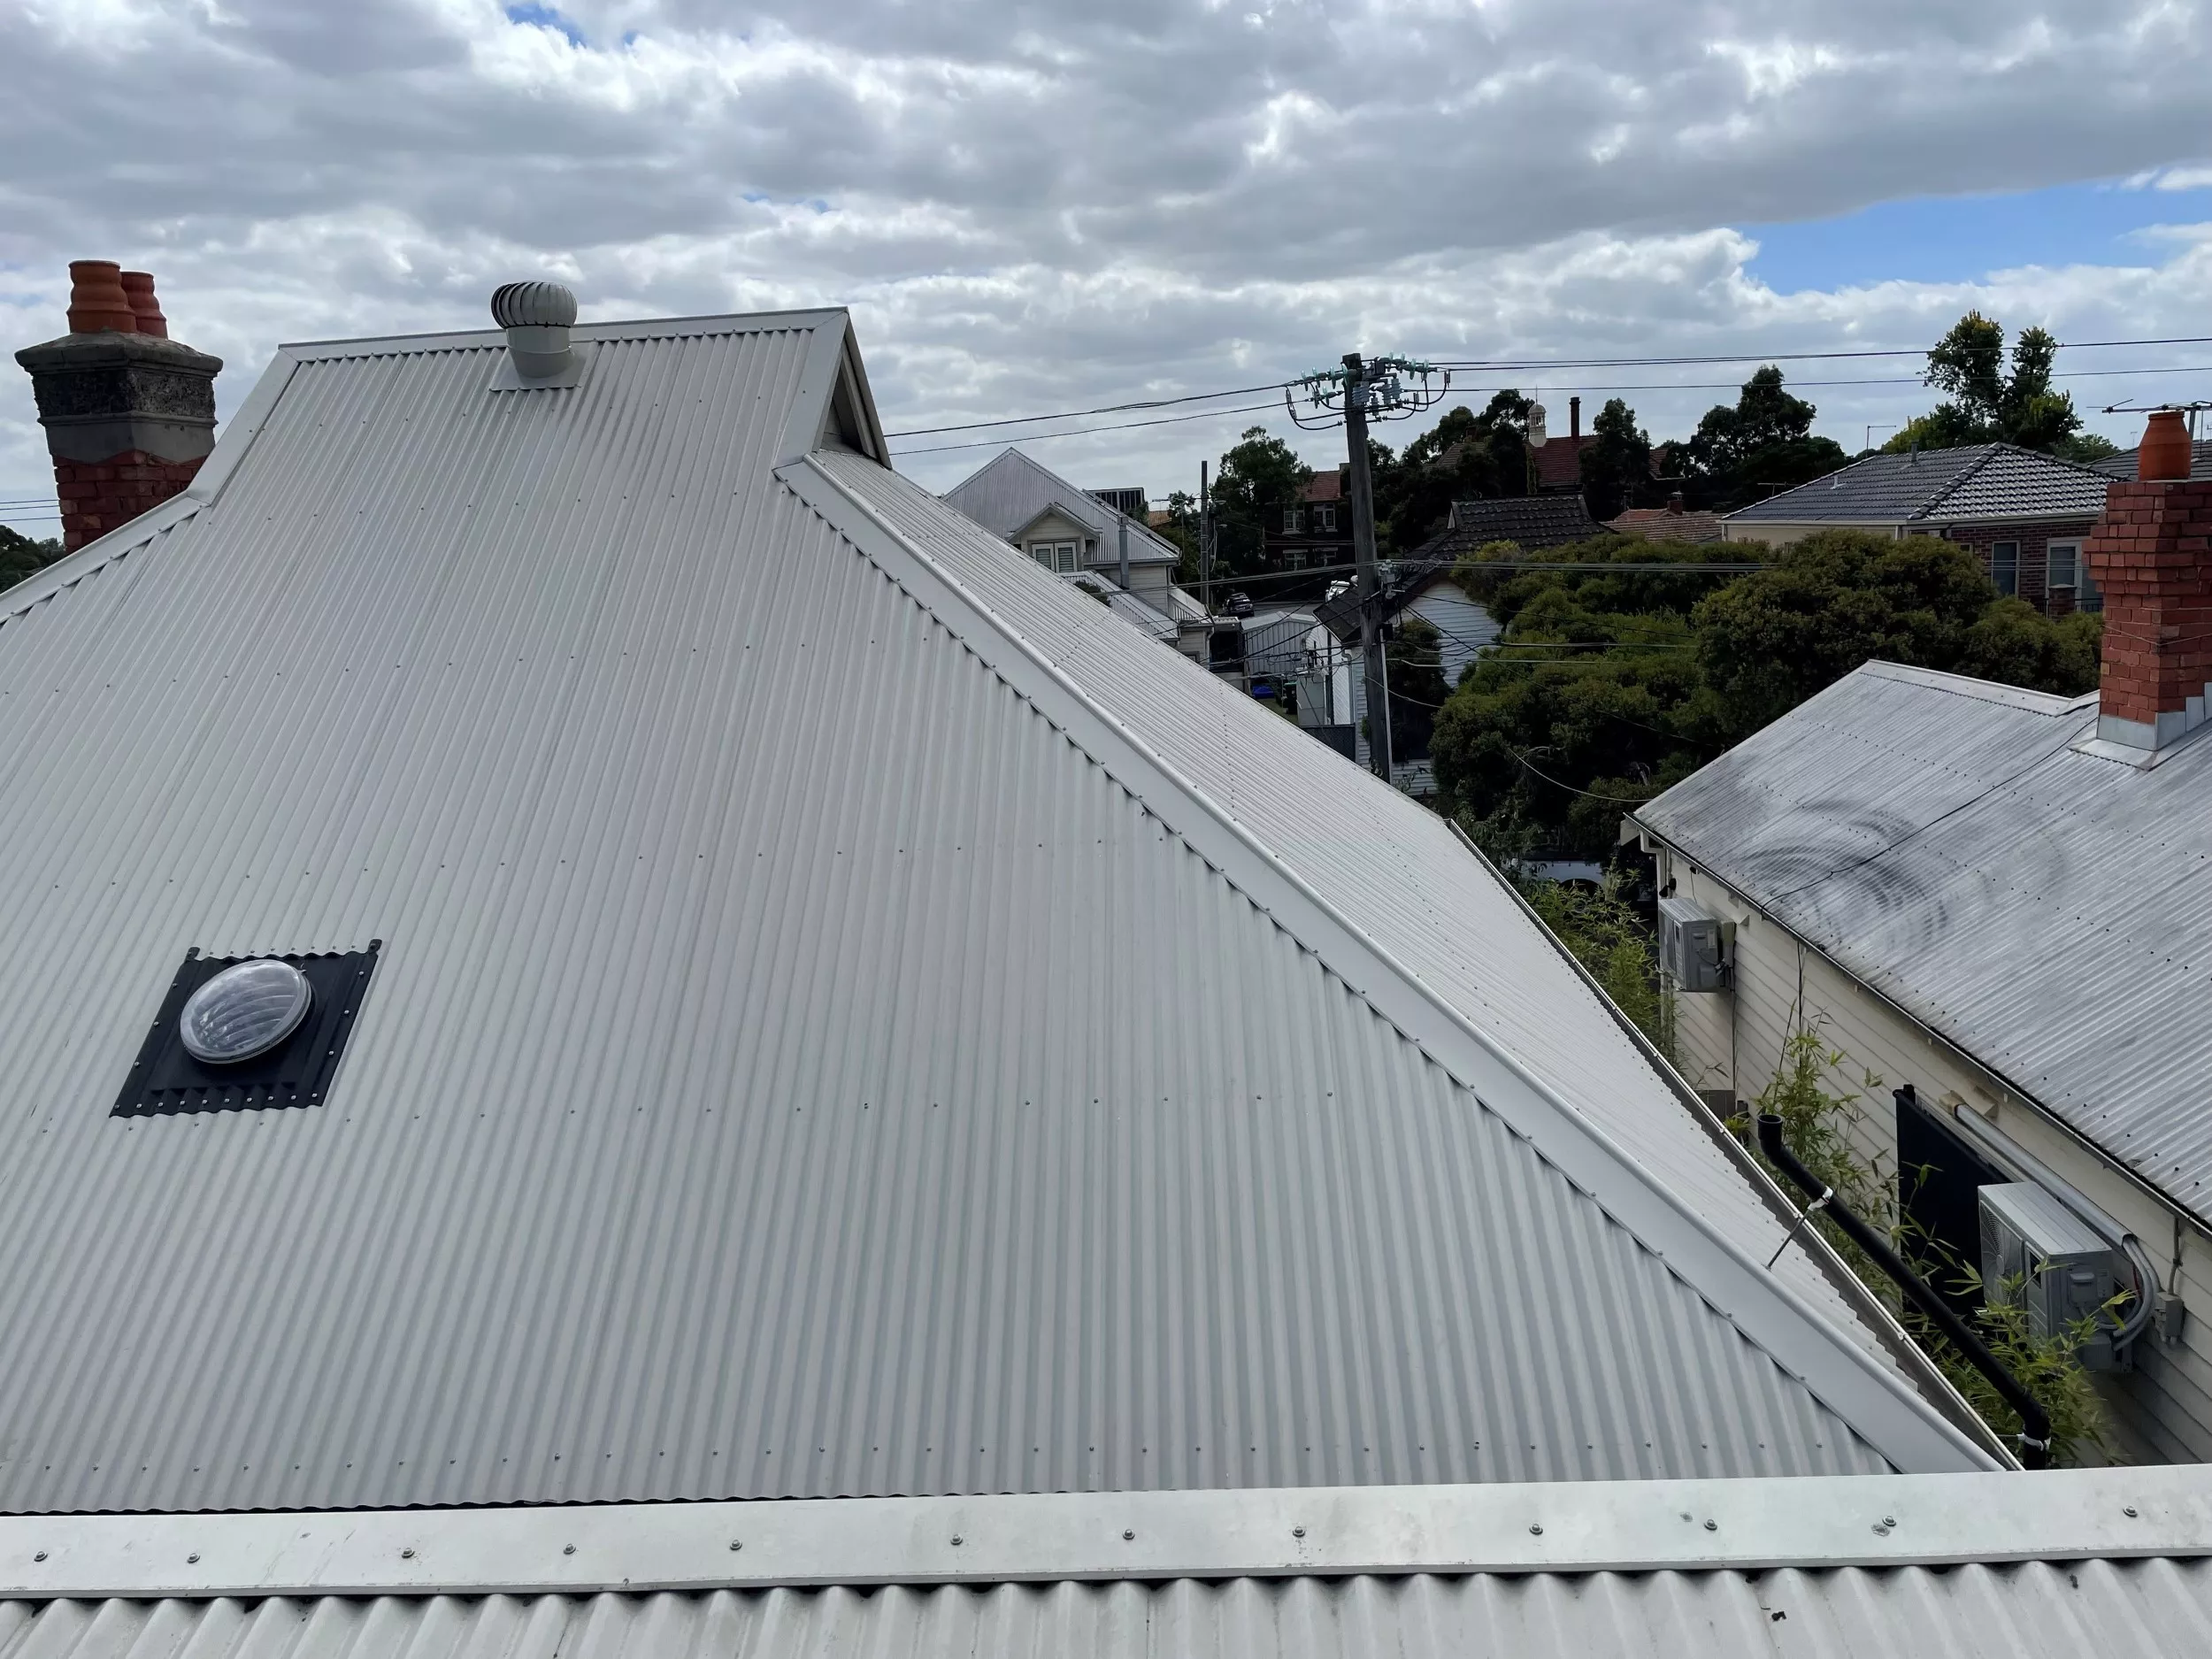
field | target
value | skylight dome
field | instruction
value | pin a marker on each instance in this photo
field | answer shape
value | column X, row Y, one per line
column 245, row 1011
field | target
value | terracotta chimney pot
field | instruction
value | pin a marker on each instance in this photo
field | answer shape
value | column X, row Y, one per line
column 2164, row 452
column 96, row 300
column 138, row 287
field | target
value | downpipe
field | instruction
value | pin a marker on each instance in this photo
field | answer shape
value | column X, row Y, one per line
column 2035, row 1422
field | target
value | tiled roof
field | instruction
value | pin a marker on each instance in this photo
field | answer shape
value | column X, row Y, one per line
column 2123, row 465
column 1559, row 461
column 1667, row 524
column 1328, row 485
column 1532, row 521
column 1981, row 481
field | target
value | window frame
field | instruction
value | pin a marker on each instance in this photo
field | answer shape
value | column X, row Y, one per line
column 1059, row 555
column 2008, row 585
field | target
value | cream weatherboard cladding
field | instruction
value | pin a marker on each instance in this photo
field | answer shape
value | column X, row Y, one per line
column 736, row 1110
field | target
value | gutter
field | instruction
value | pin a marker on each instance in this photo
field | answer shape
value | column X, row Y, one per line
column 1910, row 1358
column 1998, row 1080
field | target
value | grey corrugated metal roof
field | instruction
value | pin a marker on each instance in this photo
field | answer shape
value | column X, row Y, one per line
column 2123, row 465
column 1978, row 482
column 1007, row 492
column 2050, row 912
column 2061, row 1609
column 853, row 1017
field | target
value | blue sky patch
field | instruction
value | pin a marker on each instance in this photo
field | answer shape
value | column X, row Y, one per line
column 544, row 17
column 1963, row 239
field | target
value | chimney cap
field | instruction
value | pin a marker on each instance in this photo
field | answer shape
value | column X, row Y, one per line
column 138, row 287
column 2164, row 452
column 98, row 303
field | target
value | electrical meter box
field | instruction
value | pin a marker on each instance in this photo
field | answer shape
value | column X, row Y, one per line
column 2038, row 1252
column 1692, row 951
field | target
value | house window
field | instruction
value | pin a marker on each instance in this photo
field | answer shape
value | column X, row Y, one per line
column 1056, row 556
column 2068, row 568
column 1324, row 516
column 1294, row 520
column 2004, row 566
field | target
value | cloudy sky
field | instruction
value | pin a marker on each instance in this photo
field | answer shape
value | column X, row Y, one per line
column 1048, row 206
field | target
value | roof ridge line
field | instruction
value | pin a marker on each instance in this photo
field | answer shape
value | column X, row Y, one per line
column 1614, row 1158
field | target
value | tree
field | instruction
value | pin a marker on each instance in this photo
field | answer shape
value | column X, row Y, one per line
column 1986, row 404
column 1465, row 457
column 21, row 556
column 1417, row 687
column 1836, row 599
column 1617, row 462
column 1259, row 477
column 1609, row 687
column 1181, row 528
column 1741, row 454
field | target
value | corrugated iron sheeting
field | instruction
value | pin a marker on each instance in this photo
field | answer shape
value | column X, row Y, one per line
column 2047, row 911
column 794, row 1068
column 1376, row 856
column 2062, row 1609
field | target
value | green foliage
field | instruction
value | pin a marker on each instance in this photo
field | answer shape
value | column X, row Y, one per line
column 1416, row 686
column 1838, row 599
column 1181, row 528
column 21, row 556
column 1741, row 454
column 1609, row 687
column 1616, row 463
column 2086, row 448
column 1465, row 457
column 1986, row 403
column 1606, row 936
column 1819, row 1120
column 1259, row 477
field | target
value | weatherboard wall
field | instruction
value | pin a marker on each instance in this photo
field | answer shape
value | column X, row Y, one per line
column 793, row 1067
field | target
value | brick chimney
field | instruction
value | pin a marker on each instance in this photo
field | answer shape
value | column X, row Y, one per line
column 129, row 413
column 1574, row 420
column 2151, row 553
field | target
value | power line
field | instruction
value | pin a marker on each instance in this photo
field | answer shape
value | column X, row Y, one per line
column 1077, row 432
column 1077, row 414
column 1494, row 364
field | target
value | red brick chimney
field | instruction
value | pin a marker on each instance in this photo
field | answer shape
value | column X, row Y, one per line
column 2151, row 553
column 129, row 413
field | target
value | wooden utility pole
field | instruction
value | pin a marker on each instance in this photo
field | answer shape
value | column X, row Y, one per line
column 1370, row 641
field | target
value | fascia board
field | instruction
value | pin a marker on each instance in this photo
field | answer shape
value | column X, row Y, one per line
column 1878, row 1404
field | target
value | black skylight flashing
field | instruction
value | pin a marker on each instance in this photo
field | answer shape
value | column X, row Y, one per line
column 165, row 1079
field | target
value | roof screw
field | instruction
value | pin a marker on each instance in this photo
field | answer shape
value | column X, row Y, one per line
column 2129, row 1512
column 1297, row 1531
column 1712, row 1526
column 1537, row 1530
column 1889, row 1520
column 189, row 1559
column 568, row 1549
column 956, row 1539
column 1127, row 1535
column 737, row 1543
column 41, row 1555
column 407, row 1555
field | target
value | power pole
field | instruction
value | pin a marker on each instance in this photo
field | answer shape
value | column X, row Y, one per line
column 1371, row 643
column 1206, row 556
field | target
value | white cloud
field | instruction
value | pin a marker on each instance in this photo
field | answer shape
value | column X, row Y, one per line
column 1075, row 202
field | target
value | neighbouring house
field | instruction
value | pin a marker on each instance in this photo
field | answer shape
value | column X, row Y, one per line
column 1315, row 532
column 633, row 1035
column 1671, row 523
column 2024, row 514
column 1067, row 529
column 1995, row 900
column 1555, row 464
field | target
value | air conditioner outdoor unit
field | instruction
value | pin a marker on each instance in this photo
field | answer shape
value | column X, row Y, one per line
column 1691, row 949
column 2037, row 1252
